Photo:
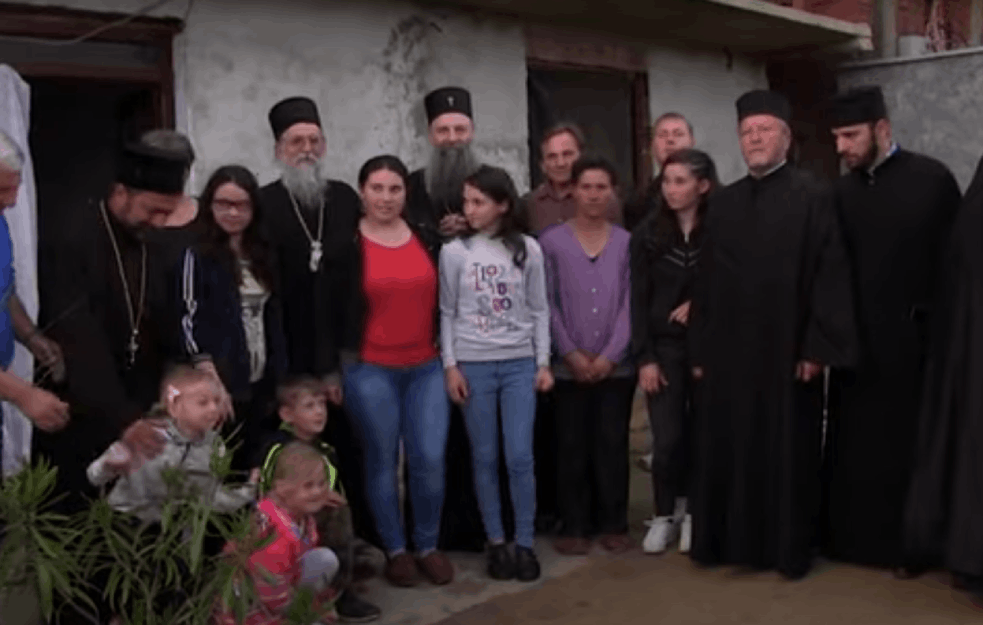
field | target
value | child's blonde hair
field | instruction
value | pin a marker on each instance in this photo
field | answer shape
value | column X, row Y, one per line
column 293, row 458
column 178, row 378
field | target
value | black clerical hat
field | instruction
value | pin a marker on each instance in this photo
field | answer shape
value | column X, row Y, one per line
column 286, row 113
column 857, row 106
column 762, row 102
column 145, row 168
column 447, row 100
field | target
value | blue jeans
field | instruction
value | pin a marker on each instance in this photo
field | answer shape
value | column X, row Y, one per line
column 387, row 404
column 513, row 383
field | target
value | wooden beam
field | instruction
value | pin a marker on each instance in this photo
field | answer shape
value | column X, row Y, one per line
column 89, row 72
column 55, row 23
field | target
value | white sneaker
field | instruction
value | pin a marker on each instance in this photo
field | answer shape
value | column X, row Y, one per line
column 686, row 534
column 662, row 532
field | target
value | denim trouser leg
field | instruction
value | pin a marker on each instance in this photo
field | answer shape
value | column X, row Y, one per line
column 373, row 401
column 512, row 384
column 425, row 422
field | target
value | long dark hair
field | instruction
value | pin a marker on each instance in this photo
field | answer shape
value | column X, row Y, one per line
column 662, row 223
column 496, row 183
column 215, row 241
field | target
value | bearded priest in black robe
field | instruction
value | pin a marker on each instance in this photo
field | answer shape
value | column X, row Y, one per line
column 771, row 308
column 434, row 200
column 435, row 203
column 896, row 208
column 944, row 511
column 308, row 215
column 104, row 305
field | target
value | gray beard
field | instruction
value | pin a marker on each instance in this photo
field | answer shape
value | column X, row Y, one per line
column 305, row 183
column 446, row 172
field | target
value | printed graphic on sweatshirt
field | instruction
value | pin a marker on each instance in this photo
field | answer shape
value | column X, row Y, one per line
column 498, row 289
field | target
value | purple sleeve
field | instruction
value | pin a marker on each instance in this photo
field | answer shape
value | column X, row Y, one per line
column 618, row 343
column 564, row 344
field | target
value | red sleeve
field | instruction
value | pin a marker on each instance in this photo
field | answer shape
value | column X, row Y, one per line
column 272, row 567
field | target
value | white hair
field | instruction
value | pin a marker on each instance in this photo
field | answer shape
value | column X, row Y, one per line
column 11, row 156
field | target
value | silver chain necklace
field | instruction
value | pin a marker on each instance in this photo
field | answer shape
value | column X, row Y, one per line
column 317, row 249
column 135, row 313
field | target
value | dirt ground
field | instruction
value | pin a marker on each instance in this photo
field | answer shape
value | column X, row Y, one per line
column 670, row 590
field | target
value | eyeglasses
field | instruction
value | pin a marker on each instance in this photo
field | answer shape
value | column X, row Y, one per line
column 226, row 206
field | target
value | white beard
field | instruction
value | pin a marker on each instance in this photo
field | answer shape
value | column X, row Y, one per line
column 305, row 183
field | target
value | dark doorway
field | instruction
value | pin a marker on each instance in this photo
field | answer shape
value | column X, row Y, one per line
column 603, row 103
column 77, row 126
column 808, row 84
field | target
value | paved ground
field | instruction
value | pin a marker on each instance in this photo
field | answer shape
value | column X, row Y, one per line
column 427, row 604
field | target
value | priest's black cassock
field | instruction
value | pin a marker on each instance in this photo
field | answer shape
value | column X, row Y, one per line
column 896, row 221
column 944, row 512
column 86, row 305
column 340, row 214
column 773, row 290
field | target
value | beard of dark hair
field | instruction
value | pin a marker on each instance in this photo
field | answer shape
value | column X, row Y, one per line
column 870, row 156
column 305, row 183
column 446, row 172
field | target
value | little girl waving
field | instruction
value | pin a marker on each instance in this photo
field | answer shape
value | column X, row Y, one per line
column 496, row 344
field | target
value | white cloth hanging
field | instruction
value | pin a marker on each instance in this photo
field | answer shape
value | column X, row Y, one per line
column 15, row 120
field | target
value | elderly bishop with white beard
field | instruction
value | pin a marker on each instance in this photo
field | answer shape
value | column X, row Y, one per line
column 435, row 199
column 308, row 215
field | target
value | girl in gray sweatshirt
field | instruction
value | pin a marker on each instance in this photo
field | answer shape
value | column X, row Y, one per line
column 496, row 352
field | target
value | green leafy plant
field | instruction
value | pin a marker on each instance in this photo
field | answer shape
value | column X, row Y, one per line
column 147, row 574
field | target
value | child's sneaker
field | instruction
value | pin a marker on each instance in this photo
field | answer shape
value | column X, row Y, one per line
column 686, row 534
column 662, row 532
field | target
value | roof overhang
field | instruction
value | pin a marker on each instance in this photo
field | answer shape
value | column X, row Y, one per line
column 752, row 27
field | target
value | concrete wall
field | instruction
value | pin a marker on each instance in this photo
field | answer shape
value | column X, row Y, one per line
column 936, row 106
column 368, row 65
column 703, row 86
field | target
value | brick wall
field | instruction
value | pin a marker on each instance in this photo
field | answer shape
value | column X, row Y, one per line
column 912, row 14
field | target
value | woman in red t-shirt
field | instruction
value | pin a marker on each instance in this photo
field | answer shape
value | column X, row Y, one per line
column 394, row 385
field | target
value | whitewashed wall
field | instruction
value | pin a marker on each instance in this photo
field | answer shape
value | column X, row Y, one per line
column 368, row 65
column 703, row 86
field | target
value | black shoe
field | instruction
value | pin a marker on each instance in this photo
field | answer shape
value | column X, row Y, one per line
column 500, row 562
column 795, row 571
column 909, row 572
column 351, row 609
column 526, row 564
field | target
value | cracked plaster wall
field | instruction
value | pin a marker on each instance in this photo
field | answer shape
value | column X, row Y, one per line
column 936, row 107
column 368, row 65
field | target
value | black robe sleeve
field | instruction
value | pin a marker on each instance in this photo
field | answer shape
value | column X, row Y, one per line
column 699, row 312
column 829, row 336
column 93, row 385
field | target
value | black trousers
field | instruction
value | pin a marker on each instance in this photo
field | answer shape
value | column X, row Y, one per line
column 351, row 469
column 545, row 459
column 255, row 421
column 670, row 419
column 592, row 452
